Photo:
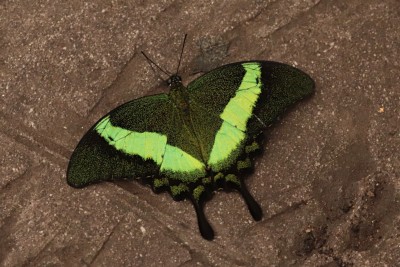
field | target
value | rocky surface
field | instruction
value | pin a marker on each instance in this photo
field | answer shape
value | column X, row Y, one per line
column 328, row 180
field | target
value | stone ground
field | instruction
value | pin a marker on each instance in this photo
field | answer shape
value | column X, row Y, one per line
column 328, row 180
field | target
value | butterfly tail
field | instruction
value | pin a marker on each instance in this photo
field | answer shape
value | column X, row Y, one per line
column 239, row 185
column 252, row 204
column 197, row 197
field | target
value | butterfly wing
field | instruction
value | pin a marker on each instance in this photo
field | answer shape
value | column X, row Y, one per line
column 234, row 102
column 144, row 137
column 150, row 137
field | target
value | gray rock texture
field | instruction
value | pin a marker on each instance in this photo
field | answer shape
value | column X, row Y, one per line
column 328, row 180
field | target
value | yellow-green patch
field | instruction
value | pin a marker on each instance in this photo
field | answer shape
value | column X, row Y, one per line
column 151, row 146
column 235, row 116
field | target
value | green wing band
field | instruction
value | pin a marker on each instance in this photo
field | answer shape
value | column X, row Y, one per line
column 227, row 143
column 235, row 116
column 147, row 145
column 151, row 146
column 176, row 161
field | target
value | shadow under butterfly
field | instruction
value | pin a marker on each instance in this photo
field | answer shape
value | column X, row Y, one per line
column 194, row 139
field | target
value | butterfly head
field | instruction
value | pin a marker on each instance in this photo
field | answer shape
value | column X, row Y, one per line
column 174, row 80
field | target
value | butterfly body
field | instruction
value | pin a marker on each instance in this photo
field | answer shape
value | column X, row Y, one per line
column 193, row 139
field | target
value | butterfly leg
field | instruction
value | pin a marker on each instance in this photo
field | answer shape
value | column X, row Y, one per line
column 197, row 198
column 253, row 206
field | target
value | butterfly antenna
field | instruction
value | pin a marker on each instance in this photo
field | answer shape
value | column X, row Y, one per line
column 152, row 63
column 180, row 58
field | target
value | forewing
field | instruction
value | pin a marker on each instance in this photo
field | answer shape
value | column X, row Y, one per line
column 144, row 137
column 282, row 86
column 209, row 95
column 232, row 102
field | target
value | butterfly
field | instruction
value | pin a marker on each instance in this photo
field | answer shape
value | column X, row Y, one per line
column 194, row 139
